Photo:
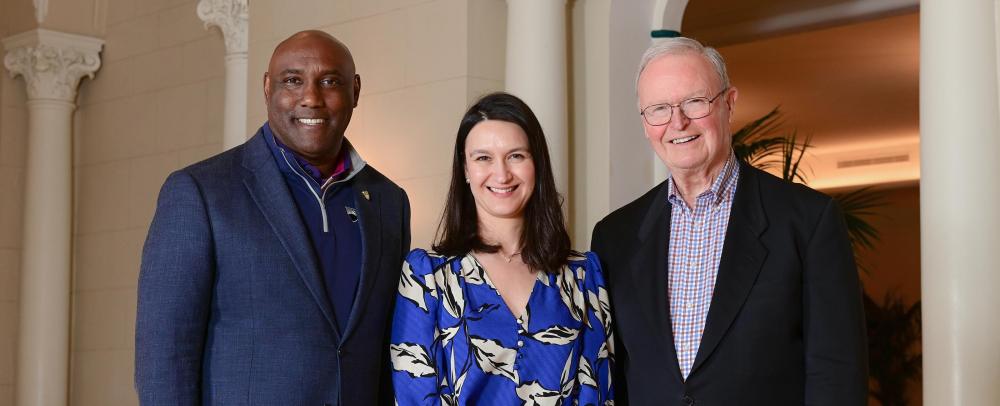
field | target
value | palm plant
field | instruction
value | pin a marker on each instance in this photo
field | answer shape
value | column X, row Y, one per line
column 893, row 327
column 760, row 144
column 859, row 206
column 757, row 144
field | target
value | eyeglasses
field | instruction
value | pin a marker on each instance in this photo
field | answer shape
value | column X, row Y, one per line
column 693, row 108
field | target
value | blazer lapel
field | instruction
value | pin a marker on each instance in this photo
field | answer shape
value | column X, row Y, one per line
column 742, row 257
column 649, row 274
column 268, row 189
column 369, row 211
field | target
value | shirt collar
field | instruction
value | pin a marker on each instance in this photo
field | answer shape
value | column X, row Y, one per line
column 720, row 186
column 348, row 164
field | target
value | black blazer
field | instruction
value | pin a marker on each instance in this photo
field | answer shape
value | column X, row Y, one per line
column 232, row 308
column 785, row 326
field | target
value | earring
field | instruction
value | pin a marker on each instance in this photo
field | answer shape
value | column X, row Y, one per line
column 466, row 180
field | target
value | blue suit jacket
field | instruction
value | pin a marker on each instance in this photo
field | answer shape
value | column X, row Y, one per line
column 232, row 308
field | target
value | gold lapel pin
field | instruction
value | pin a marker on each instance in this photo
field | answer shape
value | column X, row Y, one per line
column 365, row 194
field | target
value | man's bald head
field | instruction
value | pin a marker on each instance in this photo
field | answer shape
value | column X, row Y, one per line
column 312, row 38
column 311, row 89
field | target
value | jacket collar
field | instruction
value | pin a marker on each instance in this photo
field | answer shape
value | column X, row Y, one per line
column 290, row 162
column 266, row 186
column 743, row 255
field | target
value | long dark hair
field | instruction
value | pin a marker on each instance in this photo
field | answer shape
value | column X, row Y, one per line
column 544, row 239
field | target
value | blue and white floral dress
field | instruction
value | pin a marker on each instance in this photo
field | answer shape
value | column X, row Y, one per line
column 454, row 341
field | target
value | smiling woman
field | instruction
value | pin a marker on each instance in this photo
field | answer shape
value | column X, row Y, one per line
column 503, row 313
column 495, row 125
column 500, row 169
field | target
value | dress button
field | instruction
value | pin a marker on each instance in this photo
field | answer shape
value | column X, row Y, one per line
column 520, row 331
column 520, row 343
column 688, row 400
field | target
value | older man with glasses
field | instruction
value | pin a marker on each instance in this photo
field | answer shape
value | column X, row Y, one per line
column 729, row 286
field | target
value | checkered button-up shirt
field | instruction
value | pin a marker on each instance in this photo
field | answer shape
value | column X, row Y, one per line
column 695, row 249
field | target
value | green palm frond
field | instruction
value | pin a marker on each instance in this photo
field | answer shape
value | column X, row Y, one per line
column 859, row 206
column 756, row 144
column 762, row 144
column 766, row 124
column 760, row 153
column 792, row 152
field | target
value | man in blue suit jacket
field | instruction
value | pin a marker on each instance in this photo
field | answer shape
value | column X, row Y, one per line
column 269, row 271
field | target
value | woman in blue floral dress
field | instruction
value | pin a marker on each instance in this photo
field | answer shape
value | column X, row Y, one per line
column 503, row 312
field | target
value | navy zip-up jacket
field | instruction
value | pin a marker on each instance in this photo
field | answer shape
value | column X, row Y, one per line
column 330, row 214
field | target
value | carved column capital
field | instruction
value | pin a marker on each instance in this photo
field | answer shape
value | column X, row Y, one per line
column 231, row 17
column 52, row 63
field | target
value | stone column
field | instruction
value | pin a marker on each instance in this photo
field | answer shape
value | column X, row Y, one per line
column 536, row 72
column 959, row 194
column 232, row 19
column 52, row 64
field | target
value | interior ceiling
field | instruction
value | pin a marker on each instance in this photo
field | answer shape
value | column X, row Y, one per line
column 850, row 85
column 706, row 15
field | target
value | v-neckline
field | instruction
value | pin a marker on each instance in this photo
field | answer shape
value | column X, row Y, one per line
column 489, row 282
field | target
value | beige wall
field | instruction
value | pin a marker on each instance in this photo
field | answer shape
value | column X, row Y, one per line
column 84, row 17
column 155, row 106
column 161, row 71
column 421, row 64
column 612, row 161
column 15, row 17
column 13, row 126
column 895, row 262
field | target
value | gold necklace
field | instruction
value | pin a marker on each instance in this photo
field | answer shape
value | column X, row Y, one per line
column 510, row 258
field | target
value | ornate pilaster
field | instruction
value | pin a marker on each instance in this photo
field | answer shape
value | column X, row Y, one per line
column 232, row 19
column 52, row 64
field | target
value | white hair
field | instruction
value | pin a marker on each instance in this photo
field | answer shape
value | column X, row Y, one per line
column 683, row 45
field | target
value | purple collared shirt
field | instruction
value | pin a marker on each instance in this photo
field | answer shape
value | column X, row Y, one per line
column 695, row 249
